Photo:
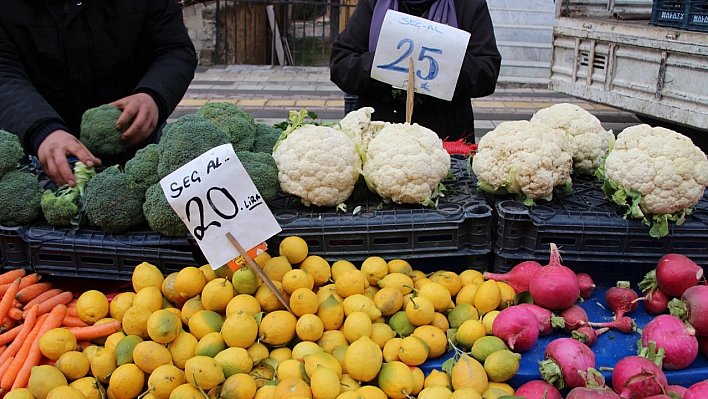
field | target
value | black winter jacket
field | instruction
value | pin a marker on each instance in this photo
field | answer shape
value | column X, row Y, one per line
column 59, row 58
column 351, row 62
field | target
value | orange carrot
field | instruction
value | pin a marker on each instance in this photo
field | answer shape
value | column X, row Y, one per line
column 35, row 355
column 71, row 311
column 12, row 275
column 61, row 299
column 22, row 333
column 72, row 303
column 15, row 314
column 8, row 297
column 96, row 330
column 11, row 373
column 9, row 335
column 81, row 345
column 7, row 324
column 3, row 349
column 25, row 282
column 73, row 321
column 43, row 297
column 28, row 293
column 3, row 369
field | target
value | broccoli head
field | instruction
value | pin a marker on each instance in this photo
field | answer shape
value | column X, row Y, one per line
column 20, row 198
column 99, row 133
column 143, row 166
column 160, row 215
column 185, row 139
column 63, row 206
column 11, row 152
column 262, row 170
column 114, row 201
column 266, row 137
column 236, row 122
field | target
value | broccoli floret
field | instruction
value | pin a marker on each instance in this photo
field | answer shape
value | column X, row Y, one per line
column 99, row 133
column 266, row 137
column 143, row 166
column 236, row 122
column 114, row 201
column 185, row 139
column 261, row 168
column 160, row 215
column 20, row 198
column 63, row 207
column 10, row 152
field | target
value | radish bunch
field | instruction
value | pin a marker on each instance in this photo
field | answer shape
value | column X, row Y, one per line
column 518, row 277
column 676, row 338
column 564, row 358
column 554, row 286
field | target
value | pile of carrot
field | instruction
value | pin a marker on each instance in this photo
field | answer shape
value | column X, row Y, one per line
column 28, row 309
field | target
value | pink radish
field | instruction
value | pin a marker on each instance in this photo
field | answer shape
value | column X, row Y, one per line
column 538, row 389
column 587, row 334
column 703, row 343
column 564, row 357
column 655, row 302
column 516, row 326
column 698, row 390
column 676, row 338
column 624, row 325
column 574, row 318
column 621, row 299
column 586, row 285
column 674, row 274
column 659, row 397
column 676, row 389
column 693, row 308
column 518, row 277
column 554, row 286
column 546, row 319
column 636, row 377
column 590, row 393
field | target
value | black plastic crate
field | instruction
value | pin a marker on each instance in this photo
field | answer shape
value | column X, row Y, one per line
column 349, row 103
column 13, row 249
column 590, row 229
column 698, row 16
column 670, row 13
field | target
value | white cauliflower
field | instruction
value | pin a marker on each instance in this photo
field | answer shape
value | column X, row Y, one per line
column 319, row 164
column 657, row 174
column 406, row 164
column 359, row 127
column 589, row 140
column 523, row 158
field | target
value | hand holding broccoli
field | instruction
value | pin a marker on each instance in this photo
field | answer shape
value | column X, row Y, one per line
column 142, row 110
column 52, row 155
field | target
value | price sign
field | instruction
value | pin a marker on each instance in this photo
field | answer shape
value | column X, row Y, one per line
column 213, row 195
column 437, row 51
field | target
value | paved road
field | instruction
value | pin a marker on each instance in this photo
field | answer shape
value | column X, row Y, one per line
column 270, row 92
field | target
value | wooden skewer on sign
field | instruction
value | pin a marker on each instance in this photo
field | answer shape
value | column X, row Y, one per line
column 259, row 272
column 411, row 91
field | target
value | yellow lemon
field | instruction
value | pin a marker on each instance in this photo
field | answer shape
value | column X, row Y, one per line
column 449, row 280
column 331, row 340
column 413, row 351
column 239, row 386
column 163, row 326
column 277, row 328
column 65, row 392
column 371, row 392
column 418, row 380
column 391, row 349
column 203, row 372
column 276, row 268
column 363, row 359
column 502, row 365
column 421, row 282
column 267, row 299
column 471, row 276
column 135, row 321
column 437, row 378
column 361, row 303
column 126, row 382
column 189, row 282
column 503, row 386
column 190, row 307
column 469, row 332
column 168, row 287
column 282, row 353
column 435, row 338
column 120, row 304
column 43, row 379
column 466, row 294
column 113, row 339
column 234, row 361
column 340, row 267
column 146, row 275
column 149, row 355
column 57, row 342
column 396, row 380
column 203, row 322
column 149, row 297
column 296, row 278
column 388, row 300
column 488, row 320
column 303, row 300
column 103, row 363
column 399, row 281
column 400, row 266
column 347, row 384
column 437, row 294
column 91, row 388
column 488, row 297
column 417, row 275
column 304, row 348
column 240, row 330
column 461, row 313
column 321, row 358
column 20, row 393
column 90, row 351
column 400, row 324
column 440, row 321
column 186, row 391
column 420, row 311
column 468, row 373
column 375, row 268
column 245, row 302
column 210, row 345
column 290, row 368
column 331, row 312
column 351, row 282
column 319, row 268
column 324, row 383
column 340, row 354
column 262, row 258
column 357, row 325
column 507, row 295
column 371, row 291
column 294, row 248
column 381, row 333
column 265, row 392
column 494, row 393
column 209, row 272
column 466, row 393
column 258, row 351
column 325, row 291
column 165, row 379
column 309, row 327
column 124, row 349
column 91, row 306
column 73, row 365
column 436, row 392
column 261, row 375
column 217, row 294
column 291, row 388
column 485, row 346
column 182, row 348
column 245, row 280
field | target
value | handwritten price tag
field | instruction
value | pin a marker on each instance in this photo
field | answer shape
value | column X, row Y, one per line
column 213, row 195
column 437, row 51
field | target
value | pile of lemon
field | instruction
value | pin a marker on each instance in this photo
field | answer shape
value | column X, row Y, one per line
column 354, row 333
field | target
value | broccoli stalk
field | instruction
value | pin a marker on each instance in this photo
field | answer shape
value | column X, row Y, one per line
column 63, row 207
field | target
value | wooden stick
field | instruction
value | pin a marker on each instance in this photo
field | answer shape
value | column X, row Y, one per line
column 410, row 92
column 259, row 272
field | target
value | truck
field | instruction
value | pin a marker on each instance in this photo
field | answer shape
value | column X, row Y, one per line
column 638, row 56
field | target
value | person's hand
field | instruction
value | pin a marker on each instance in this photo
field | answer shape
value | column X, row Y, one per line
column 141, row 108
column 52, row 155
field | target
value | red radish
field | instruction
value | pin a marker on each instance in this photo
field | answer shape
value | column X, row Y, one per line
column 590, row 393
column 546, row 319
column 554, row 286
column 698, row 390
column 621, row 299
column 624, row 325
column 693, row 308
column 660, row 397
column 636, row 377
column 676, row 389
column 564, row 358
column 538, row 389
column 587, row 334
column 674, row 274
column 574, row 318
column 703, row 343
column 676, row 337
column 518, row 277
column 516, row 326
column 586, row 285
column 655, row 302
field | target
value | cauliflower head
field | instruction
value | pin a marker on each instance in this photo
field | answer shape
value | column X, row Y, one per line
column 590, row 142
column 523, row 158
column 319, row 164
column 406, row 164
column 359, row 127
column 657, row 174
